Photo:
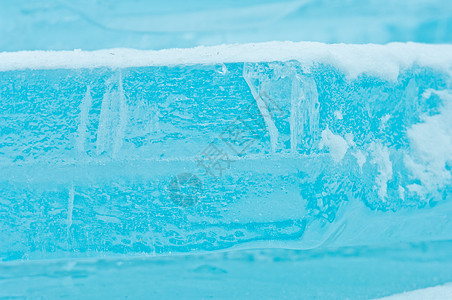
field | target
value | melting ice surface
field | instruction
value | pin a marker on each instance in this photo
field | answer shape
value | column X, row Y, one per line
column 231, row 153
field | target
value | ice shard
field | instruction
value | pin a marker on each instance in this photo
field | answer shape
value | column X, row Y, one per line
column 143, row 152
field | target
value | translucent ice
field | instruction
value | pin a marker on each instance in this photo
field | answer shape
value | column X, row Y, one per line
column 119, row 151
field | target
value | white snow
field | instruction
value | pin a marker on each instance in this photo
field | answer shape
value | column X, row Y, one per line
column 431, row 142
column 384, row 61
column 360, row 158
column 336, row 144
column 381, row 157
column 440, row 292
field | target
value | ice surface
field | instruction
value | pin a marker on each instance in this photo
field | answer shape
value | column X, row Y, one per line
column 347, row 273
column 105, row 154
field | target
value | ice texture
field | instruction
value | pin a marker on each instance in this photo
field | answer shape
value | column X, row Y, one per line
column 346, row 273
column 118, row 160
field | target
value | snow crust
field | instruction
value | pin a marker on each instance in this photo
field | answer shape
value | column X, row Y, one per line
column 383, row 61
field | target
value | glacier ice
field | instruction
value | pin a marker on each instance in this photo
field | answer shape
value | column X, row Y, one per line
column 208, row 155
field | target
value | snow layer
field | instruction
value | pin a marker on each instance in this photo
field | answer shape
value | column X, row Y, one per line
column 439, row 292
column 384, row 61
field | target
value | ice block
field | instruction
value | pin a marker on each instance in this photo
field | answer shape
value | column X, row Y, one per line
column 291, row 145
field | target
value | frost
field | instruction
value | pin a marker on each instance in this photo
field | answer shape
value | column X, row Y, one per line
column 337, row 145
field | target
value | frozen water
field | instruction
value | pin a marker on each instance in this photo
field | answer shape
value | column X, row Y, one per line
column 250, row 166
column 347, row 273
column 208, row 155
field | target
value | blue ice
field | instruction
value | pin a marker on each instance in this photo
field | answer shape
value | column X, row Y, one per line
column 158, row 160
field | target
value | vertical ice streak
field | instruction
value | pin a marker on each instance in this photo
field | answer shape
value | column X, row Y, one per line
column 381, row 158
column 85, row 106
column 104, row 123
column 263, row 109
column 113, row 120
column 304, row 113
column 70, row 208
column 123, row 120
column 295, row 110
